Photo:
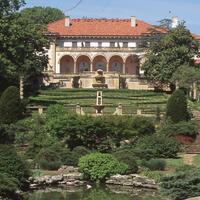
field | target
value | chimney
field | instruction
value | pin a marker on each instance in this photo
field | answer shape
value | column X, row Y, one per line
column 67, row 21
column 175, row 22
column 133, row 21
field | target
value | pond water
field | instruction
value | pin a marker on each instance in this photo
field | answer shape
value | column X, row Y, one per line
column 96, row 193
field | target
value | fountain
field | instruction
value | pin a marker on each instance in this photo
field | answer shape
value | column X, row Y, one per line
column 100, row 80
column 99, row 103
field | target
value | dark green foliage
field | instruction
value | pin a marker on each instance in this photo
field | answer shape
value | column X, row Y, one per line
column 11, row 107
column 182, row 185
column 98, row 166
column 19, row 52
column 127, row 156
column 100, row 133
column 13, row 165
column 154, row 164
column 9, row 6
column 143, row 125
column 156, row 146
column 7, row 134
column 177, row 107
column 48, row 159
column 39, row 138
column 167, row 54
column 42, row 15
column 187, row 128
column 8, row 186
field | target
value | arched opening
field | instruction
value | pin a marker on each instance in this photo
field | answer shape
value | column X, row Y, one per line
column 116, row 64
column 83, row 64
column 132, row 65
column 67, row 65
column 99, row 62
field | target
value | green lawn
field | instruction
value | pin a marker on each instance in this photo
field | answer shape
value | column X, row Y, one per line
column 196, row 160
column 131, row 100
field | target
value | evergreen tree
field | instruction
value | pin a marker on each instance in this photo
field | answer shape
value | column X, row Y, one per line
column 11, row 107
column 177, row 107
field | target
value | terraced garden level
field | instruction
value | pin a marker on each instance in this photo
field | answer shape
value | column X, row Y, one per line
column 131, row 100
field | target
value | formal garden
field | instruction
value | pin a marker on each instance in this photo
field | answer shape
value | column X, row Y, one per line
column 134, row 155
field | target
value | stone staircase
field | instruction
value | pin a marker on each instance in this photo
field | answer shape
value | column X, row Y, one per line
column 195, row 147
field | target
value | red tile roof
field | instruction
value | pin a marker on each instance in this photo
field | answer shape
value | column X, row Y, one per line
column 197, row 62
column 102, row 27
column 197, row 37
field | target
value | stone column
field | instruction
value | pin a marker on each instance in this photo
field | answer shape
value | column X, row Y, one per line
column 107, row 66
column 54, row 55
column 78, row 109
column 91, row 67
column 124, row 68
column 195, row 90
column 75, row 70
column 40, row 110
column 21, row 89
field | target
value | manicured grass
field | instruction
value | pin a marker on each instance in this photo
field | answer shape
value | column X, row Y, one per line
column 131, row 100
column 173, row 164
column 196, row 160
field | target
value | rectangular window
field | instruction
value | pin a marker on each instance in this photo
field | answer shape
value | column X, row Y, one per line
column 125, row 44
column 100, row 45
column 87, row 44
column 112, row 44
column 74, row 44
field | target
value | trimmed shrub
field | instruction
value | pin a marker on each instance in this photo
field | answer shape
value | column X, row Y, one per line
column 177, row 107
column 13, row 165
column 182, row 185
column 127, row 156
column 11, row 107
column 48, row 159
column 154, row 164
column 156, row 146
column 98, row 166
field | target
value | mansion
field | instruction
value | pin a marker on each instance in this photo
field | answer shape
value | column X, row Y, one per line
column 89, row 53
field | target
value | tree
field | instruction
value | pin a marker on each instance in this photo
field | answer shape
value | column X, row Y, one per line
column 177, row 107
column 8, row 7
column 42, row 15
column 11, row 107
column 165, row 56
column 13, row 165
column 22, row 51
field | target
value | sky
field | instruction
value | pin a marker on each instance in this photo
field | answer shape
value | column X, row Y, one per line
column 148, row 10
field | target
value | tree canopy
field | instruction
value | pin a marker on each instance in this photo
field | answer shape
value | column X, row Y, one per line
column 166, row 55
column 42, row 15
column 22, row 50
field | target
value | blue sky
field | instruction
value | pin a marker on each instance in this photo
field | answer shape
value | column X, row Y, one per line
column 148, row 10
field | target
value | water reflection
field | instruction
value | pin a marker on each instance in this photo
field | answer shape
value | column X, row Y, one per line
column 111, row 193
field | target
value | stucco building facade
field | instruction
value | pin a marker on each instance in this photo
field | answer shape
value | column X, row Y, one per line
column 81, row 47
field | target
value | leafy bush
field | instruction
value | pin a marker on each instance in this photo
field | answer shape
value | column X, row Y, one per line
column 156, row 146
column 127, row 156
column 187, row 128
column 8, row 186
column 143, row 125
column 48, row 159
column 177, row 107
column 7, row 134
column 11, row 107
column 154, row 164
column 182, row 185
column 98, row 166
column 13, row 165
